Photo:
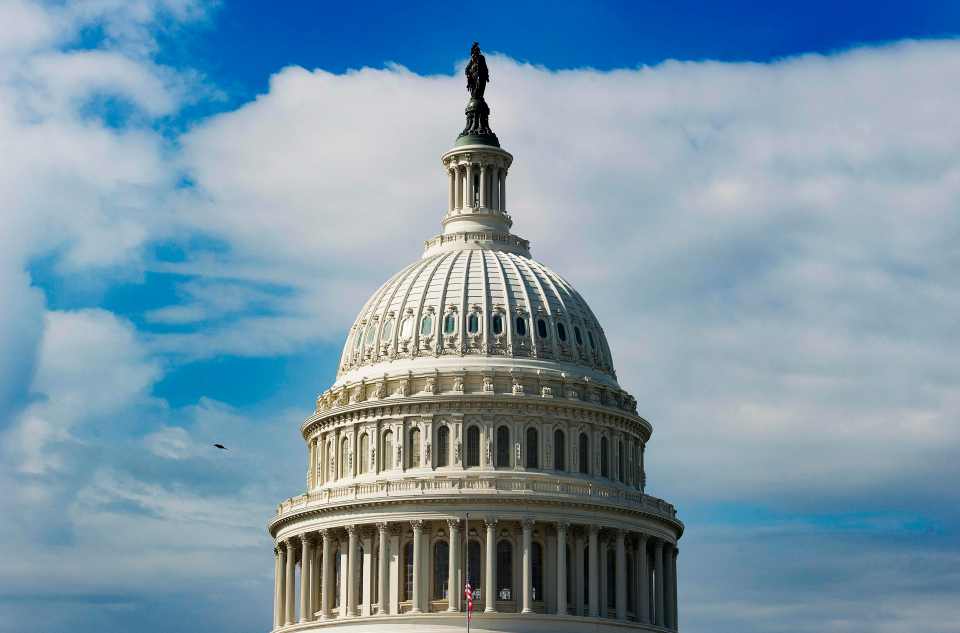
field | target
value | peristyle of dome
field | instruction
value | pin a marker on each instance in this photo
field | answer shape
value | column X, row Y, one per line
column 476, row 447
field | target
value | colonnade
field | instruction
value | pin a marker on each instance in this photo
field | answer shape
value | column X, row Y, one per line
column 417, row 566
column 489, row 191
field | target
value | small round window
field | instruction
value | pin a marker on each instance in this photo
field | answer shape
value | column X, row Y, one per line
column 426, row 325
column 542, row 328
column 497, row 324
column 449, row 324
column 521, row 326
column 473, row 323
column 576, row 335
column 561, row 332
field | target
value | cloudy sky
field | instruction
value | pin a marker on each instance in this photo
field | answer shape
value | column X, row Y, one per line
column 761, row 205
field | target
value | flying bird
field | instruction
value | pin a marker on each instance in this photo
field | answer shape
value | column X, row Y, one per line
column 222, row 447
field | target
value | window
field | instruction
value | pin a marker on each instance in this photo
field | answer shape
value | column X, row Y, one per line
column 611, row 578
column 503, row 447
column 576, row 335
column 364, row 453
column 344, row 457
column 371, row 334
column 408, row 572
column 561, row 332
column 443, row 446
column 504, row 570
column 542, row 328
column 406, row 328
column 414, row 447
column 426, row 325
column 441, row 567
column 559, row 450
column 620, row 461
column 387, row 453
column 604, row 458
column 473, row 447
column 473, row 323
column 521, row 326
column 584, row 454
column 449, row 324
column 533, row 448
column 336, row 577
column 590, row 337
column 357, row 340
column 536, row 567
column 497, row 324
column 475, row 563
column 387, row 330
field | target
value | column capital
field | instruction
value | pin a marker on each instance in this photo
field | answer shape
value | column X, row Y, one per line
column 528, row 523
column 352, row 529
column 382, row 527
column 453, row 524
column 417, row 525
column 562, row 525
column 309, row 537
column 491, row 522
column 594, row 529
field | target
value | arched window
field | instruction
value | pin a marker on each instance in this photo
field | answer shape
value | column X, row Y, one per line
column 441, row 566
column 406, row 328
column 387, row 330
column 503, row 447
column 620, row 472
column 497, row 324
column 473, row 323
column 426, row 325
column 407, row 572
column 344, row 457
column 583, row 455
column 336, row 577
column 542, row 328
column 590, row 338
column 473, row 447
column 533, row 448
column 604, row 457
column 386, row 454
column 450, row 324
column 559, row 450
column 364, row 458
column 521, row 326
column 443, row 446
column 561, row 332
column 371, row 334
column 504, row 570
column 536, row 567
column 414, row 447
column 576, row 335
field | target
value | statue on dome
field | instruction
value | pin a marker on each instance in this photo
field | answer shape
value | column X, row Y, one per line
column 476, row 71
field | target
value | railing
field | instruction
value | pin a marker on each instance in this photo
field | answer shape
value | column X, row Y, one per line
column 455, row 483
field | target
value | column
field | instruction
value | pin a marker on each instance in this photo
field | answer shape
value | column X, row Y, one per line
column 382, row 570
column 468, row 191
column 658, row 603
column 311, row 461
column 490, row 588
column 351, row 577
column 326, row 574
column 417, row 546
column 643, row 581
column 291, row 582
column 452, row 187
column 673, row 576
column 394, row 569
column 367, row 589
column 593, row 567
column 604, row 588
column 562, row 568
column 453, row 566
column 278, row 560
column 503, row 189
column 306, row 554
column 315, row 581
column 621, row 564
column 483, row 186
column 527, row 560
column 578, row 595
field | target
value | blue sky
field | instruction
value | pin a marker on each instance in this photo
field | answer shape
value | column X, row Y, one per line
column 759, row 200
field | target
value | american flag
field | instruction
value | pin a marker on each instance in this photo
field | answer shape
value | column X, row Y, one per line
column 468, row 594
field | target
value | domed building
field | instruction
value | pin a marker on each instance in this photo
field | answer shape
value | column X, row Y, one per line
column 476, row 447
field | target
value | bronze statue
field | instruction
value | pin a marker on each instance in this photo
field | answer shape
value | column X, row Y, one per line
column 476, row 72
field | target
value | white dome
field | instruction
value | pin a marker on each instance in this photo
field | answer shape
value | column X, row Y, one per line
column 475, row 303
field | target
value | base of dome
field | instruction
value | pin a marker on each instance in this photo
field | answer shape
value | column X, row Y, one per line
column 481, row 623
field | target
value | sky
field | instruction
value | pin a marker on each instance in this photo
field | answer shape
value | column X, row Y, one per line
column 759, row 201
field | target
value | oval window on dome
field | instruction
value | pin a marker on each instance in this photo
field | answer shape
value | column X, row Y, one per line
column 497, row 324
column 473, row 323
column 357, row 339
column 449, row 324
column 590, row 336
column 387, row 329
column 406, row 328
column 542, row 328
column 371, row 333
column 561, row 332
column 426, row 325
column 576, row 335
column 521, row 326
